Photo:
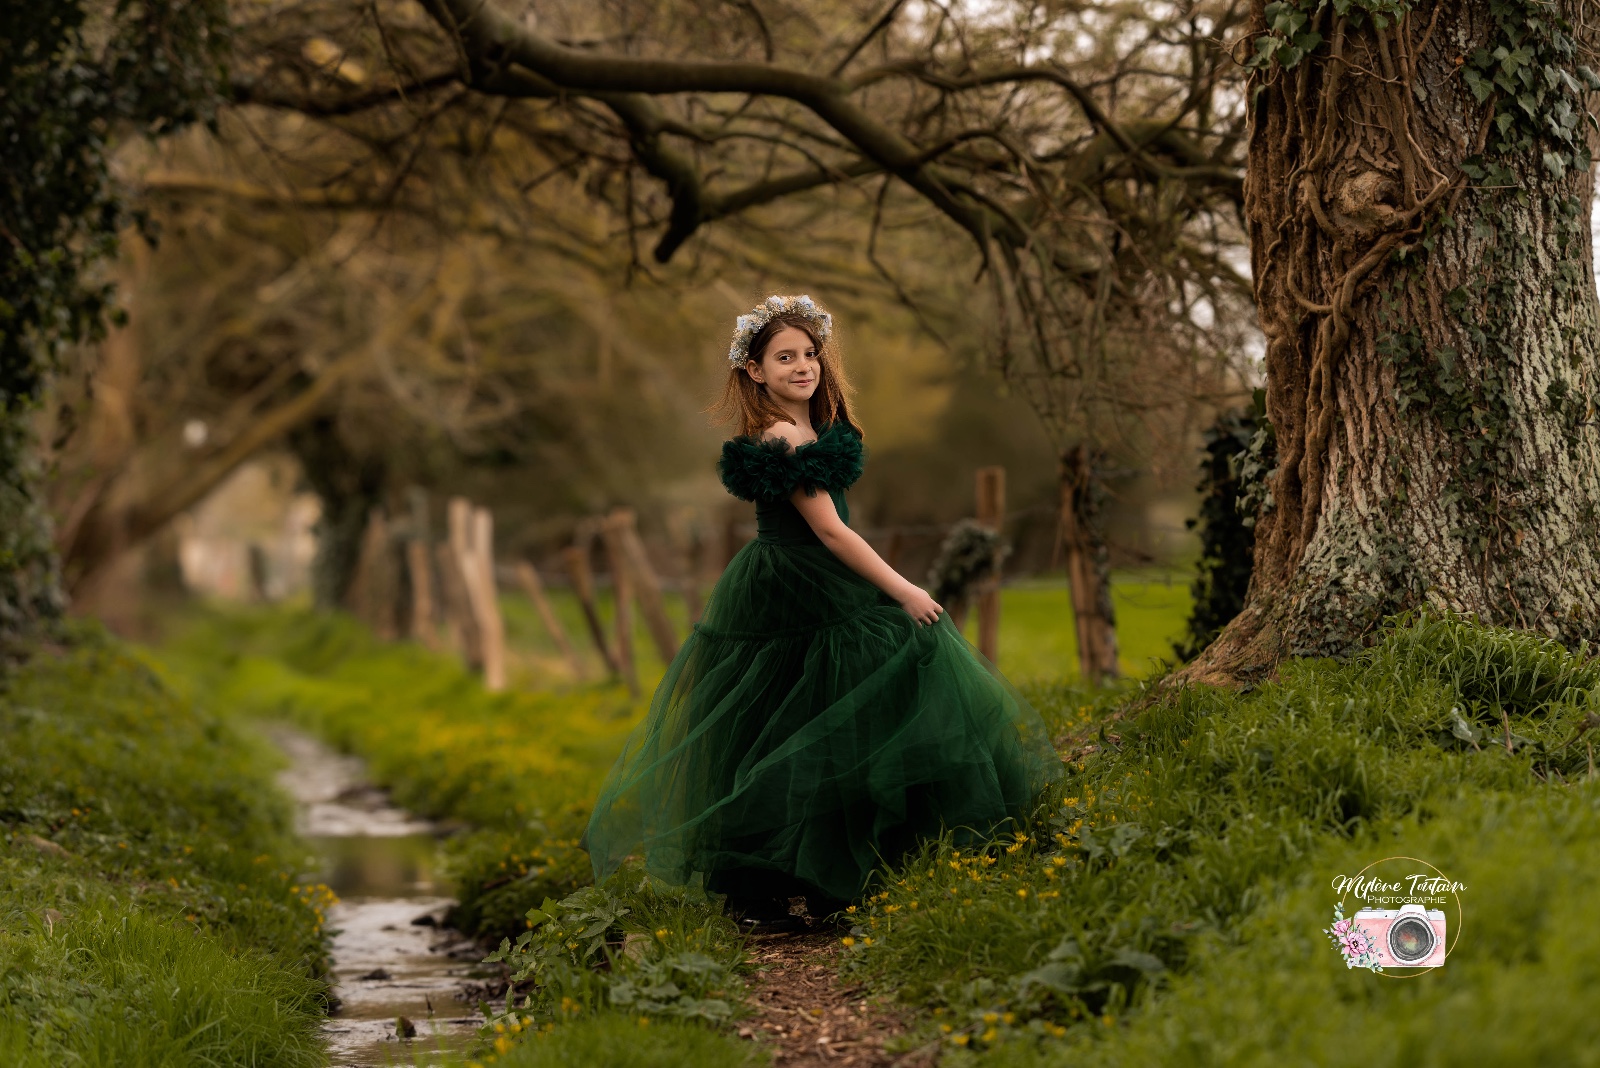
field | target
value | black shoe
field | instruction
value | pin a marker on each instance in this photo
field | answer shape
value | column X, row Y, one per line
column 771, row 925
column 761, row 915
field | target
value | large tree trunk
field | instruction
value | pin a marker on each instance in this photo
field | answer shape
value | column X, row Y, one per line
column 30, row 588
column 1431, row 337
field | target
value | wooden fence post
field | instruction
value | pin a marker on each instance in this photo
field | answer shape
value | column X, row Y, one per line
column 576, row 557
column 487, row 600
column 622, row 594
column 471, row 548
column 533, row 586
column 991, row 490
column 646, row 584
column 460, row 625
column 373, row 591
column 424, row 624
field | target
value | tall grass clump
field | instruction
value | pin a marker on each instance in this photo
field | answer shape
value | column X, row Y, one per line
column 1192, row 817
column 1522, row 986
column 150, row 909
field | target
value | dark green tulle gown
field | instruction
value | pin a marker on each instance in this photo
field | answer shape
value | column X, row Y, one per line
column 809, row 729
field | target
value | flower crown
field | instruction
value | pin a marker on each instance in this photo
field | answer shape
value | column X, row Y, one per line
column 746, row 327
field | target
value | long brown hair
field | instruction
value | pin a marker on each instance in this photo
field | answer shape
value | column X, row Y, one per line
column 746, row 401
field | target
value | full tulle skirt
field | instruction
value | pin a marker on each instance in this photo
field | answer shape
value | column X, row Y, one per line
column 809, row 731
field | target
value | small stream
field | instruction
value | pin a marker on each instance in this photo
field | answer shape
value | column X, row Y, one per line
column 391, row 959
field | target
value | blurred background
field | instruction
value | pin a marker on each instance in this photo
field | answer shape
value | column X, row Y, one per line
column 362, row 290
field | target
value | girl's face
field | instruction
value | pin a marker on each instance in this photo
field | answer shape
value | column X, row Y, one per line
column 790, row 367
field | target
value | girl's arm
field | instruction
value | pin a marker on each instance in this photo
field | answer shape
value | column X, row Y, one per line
column 859, row 557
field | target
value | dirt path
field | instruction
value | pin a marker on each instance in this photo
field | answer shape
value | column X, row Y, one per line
column 806, row 1016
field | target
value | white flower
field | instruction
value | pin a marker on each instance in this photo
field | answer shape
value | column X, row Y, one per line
column 746, row 327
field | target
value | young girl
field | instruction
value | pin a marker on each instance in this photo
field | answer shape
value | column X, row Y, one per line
column 824, row 714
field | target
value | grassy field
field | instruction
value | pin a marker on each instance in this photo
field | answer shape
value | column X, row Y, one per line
column 150, row 908
column 1167, row 906
column 1039, row 642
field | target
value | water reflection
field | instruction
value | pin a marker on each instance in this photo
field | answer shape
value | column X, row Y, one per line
column 391, row 960
column 403, row 866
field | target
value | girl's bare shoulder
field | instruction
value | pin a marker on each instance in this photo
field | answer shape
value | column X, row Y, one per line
column 788, row 432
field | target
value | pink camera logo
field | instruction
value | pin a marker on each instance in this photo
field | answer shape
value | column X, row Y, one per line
column 1407, row 937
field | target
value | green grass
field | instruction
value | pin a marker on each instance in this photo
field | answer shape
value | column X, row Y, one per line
column 520, row 769
column 1164, row 906
column 1167, row 905
column 150, row 912
column 1039, row 641
column 1520, row 989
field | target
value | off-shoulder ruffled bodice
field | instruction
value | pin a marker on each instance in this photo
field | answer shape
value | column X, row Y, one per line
column 768, row 472
column 759, row 470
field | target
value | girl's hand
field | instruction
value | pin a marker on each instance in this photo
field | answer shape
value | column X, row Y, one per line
column 920, row 607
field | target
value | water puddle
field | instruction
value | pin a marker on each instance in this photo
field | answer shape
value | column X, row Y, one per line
column 392, row 962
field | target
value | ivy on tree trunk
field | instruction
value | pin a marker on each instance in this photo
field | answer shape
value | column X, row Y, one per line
column 1418, row 199
column 75, row 76
column 1088, row 560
